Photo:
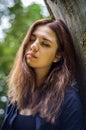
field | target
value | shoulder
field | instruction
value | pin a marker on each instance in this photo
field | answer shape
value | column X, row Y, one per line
column 72, row 111
column 10, row 114
column 10, row 108
column 72, row 96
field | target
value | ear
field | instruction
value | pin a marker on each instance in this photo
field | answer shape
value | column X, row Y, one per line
column 57, row 58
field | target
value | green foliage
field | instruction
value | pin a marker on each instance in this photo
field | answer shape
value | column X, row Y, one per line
column 20, row 19
column 3, row 97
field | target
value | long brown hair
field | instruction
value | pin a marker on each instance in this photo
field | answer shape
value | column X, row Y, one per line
column 22, row 83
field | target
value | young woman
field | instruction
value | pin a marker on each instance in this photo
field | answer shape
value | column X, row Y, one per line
column 43, row 93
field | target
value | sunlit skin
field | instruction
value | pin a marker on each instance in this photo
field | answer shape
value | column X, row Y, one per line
column 41, row 52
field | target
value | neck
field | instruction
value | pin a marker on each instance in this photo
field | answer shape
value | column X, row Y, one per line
column 41, row 76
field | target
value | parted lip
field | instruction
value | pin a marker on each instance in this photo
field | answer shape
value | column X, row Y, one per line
column 30, row 54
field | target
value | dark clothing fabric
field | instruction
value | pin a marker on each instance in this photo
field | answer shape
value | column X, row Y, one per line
column 24, row 122
column 70, row 116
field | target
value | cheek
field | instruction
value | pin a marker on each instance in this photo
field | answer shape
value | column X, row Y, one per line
column 53, row 53
column 50, row 56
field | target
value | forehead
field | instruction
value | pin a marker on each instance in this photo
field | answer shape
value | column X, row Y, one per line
column 45, row 31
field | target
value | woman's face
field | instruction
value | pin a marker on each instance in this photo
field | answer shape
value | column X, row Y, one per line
column 42, row 47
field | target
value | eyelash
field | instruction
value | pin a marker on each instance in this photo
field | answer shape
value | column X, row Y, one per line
column 44, row 44
column 32, row 39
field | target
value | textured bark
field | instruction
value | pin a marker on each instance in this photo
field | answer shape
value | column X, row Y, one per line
column 73, row 13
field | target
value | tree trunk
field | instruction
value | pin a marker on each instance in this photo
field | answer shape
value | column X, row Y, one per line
column 73, row 13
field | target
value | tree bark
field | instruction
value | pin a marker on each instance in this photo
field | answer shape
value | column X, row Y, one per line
column 73, row 13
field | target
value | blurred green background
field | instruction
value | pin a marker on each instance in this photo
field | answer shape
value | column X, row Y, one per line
column 15, row 19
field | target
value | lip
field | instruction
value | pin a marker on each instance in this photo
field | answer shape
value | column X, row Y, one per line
column 31, row 55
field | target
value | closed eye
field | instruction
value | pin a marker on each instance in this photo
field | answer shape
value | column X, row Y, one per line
column 32, row 38
column 45, row 44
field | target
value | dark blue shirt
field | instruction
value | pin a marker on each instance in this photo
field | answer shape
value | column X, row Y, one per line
column 70, row 115
column 24, row 122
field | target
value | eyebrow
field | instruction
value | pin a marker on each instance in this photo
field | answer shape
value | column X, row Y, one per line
column 47, row 40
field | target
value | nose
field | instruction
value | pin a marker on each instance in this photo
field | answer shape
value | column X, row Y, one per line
column 35, row 46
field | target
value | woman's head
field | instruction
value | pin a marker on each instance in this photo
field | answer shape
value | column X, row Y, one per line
column 41, row 52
